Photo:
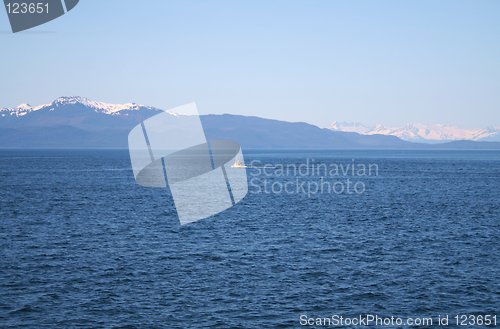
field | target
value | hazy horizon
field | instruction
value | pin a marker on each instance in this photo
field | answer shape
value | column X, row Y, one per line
column 327, row 125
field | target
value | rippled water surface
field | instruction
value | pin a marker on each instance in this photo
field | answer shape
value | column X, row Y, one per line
column 81, row 245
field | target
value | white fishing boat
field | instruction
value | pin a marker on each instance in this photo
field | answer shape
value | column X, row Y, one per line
column 238, row 163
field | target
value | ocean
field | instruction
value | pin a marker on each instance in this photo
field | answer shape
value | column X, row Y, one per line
column 83, row 246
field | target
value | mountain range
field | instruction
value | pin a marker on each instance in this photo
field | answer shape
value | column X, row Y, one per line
column 78, row 122
column 418, row 132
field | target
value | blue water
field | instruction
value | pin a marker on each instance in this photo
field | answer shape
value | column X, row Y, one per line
column 83, row 246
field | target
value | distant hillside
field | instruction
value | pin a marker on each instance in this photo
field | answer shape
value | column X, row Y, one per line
column 255, row 132
column 77, row 122
column 417, row 132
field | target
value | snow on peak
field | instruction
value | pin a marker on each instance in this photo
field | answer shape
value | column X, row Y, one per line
column 17, row 111
column 420, row 132
column 24, row 107
column 101, row 107
column 106, row 108
column 354, row 127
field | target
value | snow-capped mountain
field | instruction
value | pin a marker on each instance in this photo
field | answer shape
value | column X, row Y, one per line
column 99, row 107
column 18, row 111
column 78, row 122
column 75, row 122
column 422, row 132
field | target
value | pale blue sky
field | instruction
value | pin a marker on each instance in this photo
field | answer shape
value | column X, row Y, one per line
column 384, row 61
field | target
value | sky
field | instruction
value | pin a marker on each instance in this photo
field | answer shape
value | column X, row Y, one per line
column 388, row 62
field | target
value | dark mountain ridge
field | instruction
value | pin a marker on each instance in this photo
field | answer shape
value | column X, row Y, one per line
column 77, row 122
